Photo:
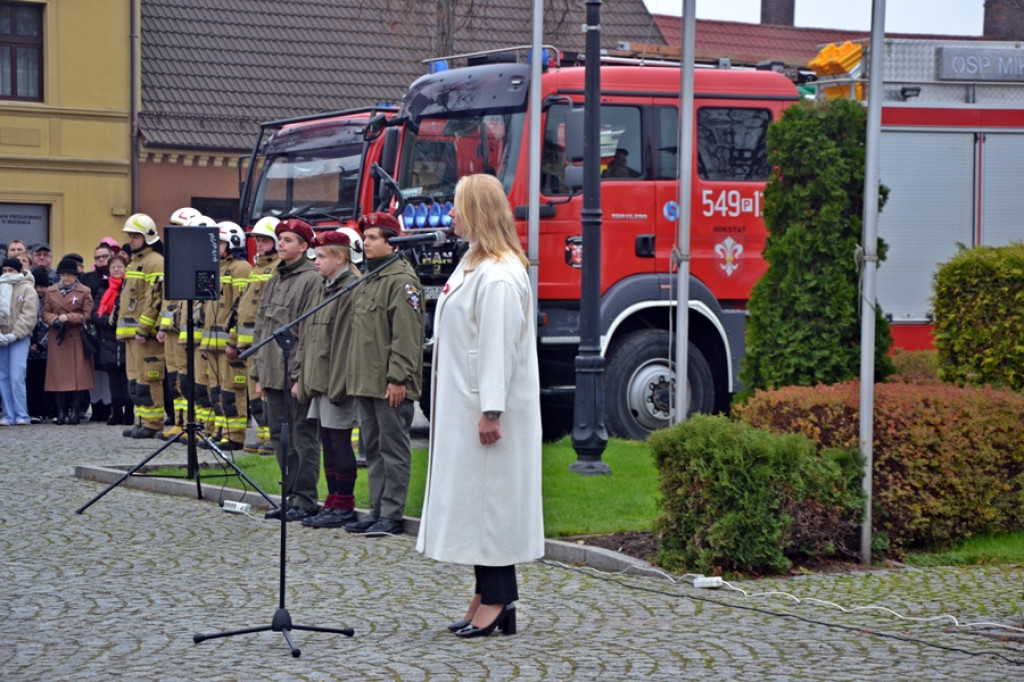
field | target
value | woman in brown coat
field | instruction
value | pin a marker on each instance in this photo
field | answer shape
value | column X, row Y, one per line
column 67, row 305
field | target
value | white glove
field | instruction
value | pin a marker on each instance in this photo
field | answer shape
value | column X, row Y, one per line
column 7, row 339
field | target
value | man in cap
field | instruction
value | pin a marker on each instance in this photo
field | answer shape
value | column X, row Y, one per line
column 138, row 315
column 385, row 372
column 43, row 258
column 287, row 296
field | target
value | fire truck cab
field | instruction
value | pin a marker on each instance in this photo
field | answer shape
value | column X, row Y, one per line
column 473, row 119
column 316, row 168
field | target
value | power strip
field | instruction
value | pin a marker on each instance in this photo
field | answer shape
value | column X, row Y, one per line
column 236, row 507
column 707, row 582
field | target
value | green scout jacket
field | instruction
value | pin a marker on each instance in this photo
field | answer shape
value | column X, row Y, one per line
column 325, row 341
column 387, row 332
column 288, row 295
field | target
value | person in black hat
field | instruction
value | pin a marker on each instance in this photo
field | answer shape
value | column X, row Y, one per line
column 66, row 308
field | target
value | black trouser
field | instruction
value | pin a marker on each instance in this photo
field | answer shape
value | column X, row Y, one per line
column 496, row 584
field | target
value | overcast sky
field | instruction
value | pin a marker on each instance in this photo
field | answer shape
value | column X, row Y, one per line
column 952, row 17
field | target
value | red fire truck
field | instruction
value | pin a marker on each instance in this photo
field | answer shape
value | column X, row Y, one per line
column 473, row 119
column 316, row 168
column 952, row 141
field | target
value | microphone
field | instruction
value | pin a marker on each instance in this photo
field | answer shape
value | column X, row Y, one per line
column 435, row 238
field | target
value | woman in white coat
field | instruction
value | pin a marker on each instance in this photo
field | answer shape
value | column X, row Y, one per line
column 483, row 499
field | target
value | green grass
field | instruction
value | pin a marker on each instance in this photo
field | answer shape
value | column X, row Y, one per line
column 986, row 549
column 573, row 504
column 591, row 505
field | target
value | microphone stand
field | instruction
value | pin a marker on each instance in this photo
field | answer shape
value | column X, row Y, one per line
column 282, row 621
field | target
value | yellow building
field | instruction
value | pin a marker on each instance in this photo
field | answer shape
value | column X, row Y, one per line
column 65, row 122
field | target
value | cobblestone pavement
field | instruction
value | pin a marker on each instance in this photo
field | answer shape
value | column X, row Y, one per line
column 120, row 590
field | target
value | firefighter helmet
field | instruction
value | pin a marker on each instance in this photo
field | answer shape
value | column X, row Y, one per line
column 231, row 234
column 355, row 243
column 183, row 215
column 264, row 227
column 140, row 223
column 201, row 221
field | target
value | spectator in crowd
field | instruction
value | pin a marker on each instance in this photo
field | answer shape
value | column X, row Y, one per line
column 25, row 261
column 286, row 297
column 483, row 499
column 67, row 306
column 384, row 373
column 96, row 280
column 111, row 358
column 40, row 403
column 15, row 247
column 19, row 308
column 43, row 258
column 321, row 384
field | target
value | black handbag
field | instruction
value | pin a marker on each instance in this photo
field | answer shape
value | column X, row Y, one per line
column 90, row 338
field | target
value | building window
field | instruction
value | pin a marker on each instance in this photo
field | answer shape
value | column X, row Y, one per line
column 21, row 51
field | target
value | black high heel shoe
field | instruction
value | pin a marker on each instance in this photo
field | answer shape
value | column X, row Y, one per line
column 459, row 624
column 505, row 621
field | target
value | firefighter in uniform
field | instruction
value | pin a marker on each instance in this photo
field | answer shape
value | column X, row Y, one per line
column 245, row 320
column 198, row 383
column 175, row 358
column 138, row 316
column 228, row 380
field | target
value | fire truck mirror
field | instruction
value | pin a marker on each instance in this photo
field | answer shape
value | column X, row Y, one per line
column 574, row 135
column 374, row 126
column 574, row 177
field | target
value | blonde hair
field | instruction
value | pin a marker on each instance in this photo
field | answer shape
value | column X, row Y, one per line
column 342, row 250
column 481, row 203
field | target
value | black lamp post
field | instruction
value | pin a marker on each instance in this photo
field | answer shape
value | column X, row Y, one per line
column 589, row 436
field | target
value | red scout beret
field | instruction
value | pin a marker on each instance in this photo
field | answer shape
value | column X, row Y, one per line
column 385, row 221
column 299, row 227
column 332, row 237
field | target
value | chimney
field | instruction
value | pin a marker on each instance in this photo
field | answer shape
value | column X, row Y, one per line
column 778, row 12
column 1004, row 19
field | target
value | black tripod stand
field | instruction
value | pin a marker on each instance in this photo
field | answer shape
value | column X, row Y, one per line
column 282, row 621
column 192, row 429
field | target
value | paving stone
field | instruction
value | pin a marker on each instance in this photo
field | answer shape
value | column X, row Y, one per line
column 120, row 590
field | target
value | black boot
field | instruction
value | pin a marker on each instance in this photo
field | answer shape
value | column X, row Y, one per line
column 129, row 414
column 115, row 416
column 72, row 417
column 61, row 417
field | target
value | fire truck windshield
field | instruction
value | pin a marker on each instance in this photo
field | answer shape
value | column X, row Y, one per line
column 438, row 151
column 311, row 183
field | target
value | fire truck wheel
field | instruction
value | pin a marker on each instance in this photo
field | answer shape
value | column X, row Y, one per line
column 640, row 382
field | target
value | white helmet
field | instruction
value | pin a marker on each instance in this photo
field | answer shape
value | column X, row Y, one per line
column 201, row 221
column 265, row 227
column 140, row 223
column 355, row 243
column 183, row 215
column 231, row 234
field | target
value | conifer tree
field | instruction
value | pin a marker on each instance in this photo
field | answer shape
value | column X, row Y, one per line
column 804, row 325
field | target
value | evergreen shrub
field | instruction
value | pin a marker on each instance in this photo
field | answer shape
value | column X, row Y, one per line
column 948, row 461
column 735, row 498
column 978, row 303
column 804, row 325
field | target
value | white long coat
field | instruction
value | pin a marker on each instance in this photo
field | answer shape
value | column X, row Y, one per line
column 483, row 502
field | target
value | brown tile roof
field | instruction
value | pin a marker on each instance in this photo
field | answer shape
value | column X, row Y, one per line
column 749, row 44
column 213, row 70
